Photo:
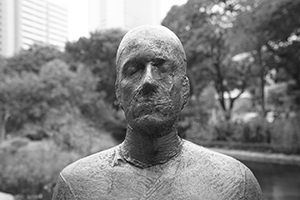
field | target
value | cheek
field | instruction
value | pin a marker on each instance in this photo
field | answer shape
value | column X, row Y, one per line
column 167, row 83
column 176, row 93
column 126, row 90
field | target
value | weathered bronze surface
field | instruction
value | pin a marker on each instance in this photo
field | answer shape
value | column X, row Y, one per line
column 153, row 162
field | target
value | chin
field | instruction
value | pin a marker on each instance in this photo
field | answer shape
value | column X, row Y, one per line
column 154, row 125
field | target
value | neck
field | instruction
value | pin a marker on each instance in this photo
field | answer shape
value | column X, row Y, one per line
column 144, row 152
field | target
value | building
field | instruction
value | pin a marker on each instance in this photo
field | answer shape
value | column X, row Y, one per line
column 126, row 14
column 7, row 28
column 27, row 22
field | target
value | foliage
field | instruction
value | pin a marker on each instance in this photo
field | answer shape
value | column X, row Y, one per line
column 269, row 30
column 278, row 98
column 285, row 61
column 286, row 134
column 22, row 99
column 50, row 108
column 281, row 136
column 30, row 168
column 98, row 53
column 3, row 66
column 28, row 97
column 32, row 59
column 73, row 132
column 197, row 114
column 213, row 32
column 206, row 36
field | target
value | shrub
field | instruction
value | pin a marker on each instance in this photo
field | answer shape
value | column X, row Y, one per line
column 31, row 168
column 72, row 132
column 286, row 135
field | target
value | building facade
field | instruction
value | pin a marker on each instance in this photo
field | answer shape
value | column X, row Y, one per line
column 28, row 22
column 7, row 27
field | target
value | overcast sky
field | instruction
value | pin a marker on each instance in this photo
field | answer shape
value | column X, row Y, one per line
column 78, row 18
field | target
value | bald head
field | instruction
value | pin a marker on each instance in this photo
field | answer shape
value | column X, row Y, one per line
column 153, row 37
column 151, row 84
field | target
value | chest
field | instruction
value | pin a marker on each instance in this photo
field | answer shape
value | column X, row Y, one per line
column 159, row 184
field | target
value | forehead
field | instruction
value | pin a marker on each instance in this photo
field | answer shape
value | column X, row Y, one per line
column 149, row 48
column 150, row 41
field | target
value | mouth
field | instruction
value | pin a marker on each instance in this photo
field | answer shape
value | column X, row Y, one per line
column 146, row 100
column 150, row 107
column 155, row 105
column 144, row 108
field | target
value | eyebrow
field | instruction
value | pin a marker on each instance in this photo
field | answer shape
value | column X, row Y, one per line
column 130, row 61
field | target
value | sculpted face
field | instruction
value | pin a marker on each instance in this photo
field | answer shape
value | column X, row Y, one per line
column 151, row 84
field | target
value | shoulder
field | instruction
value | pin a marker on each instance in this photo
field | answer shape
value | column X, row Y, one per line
column 88, row 166
column 222, row 170
column 211, row 162
column 86, row 176
column 208, row 157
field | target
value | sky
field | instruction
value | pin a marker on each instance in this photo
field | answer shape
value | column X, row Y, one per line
column 78, row 15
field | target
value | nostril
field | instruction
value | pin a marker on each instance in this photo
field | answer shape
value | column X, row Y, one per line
column 148, row 89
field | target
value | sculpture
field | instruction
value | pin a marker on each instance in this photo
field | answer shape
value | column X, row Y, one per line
column 153, row 162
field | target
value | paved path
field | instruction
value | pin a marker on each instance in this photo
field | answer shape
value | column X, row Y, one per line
column 275, row 158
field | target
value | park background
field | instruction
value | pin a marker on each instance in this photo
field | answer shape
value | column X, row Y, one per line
column 243, row 63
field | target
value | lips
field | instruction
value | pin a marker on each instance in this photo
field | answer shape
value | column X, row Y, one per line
column 157, row 103
column 150, row 107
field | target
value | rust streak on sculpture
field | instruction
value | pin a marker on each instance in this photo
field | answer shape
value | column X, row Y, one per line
column 153, row 162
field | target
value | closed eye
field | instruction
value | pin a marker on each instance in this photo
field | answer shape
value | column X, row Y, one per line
column 161, row 65
column 158, row 62
column 131, row 68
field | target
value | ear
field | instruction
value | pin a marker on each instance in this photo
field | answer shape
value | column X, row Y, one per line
column 185, row 90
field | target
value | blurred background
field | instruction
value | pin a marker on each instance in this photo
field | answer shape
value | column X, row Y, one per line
column 57, row 74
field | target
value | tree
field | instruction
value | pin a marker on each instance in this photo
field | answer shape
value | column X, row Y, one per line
column 285, row 61
column 269, row 31
column 3, row 65
column 204, row 29
column 98, row 53
column 27, row 97
column 32, row 59
column 284, row 45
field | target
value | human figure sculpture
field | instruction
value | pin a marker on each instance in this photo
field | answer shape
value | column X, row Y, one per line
column 153, row 163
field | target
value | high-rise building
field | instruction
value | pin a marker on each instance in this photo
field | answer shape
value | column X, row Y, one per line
column 7, row 27
column 27, row 22
column 124, row 14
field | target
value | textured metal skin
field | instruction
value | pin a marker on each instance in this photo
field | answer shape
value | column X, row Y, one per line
column 196, row 173
column 153, row 163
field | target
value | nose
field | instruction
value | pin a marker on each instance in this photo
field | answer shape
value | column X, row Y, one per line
column 148, row 84
column 148, row 76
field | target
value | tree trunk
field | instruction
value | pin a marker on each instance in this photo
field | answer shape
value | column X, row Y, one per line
column 3, row 119
column 2, row 128
column 262, row 82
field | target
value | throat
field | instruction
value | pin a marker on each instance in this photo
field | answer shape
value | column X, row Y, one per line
column 144, row 152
